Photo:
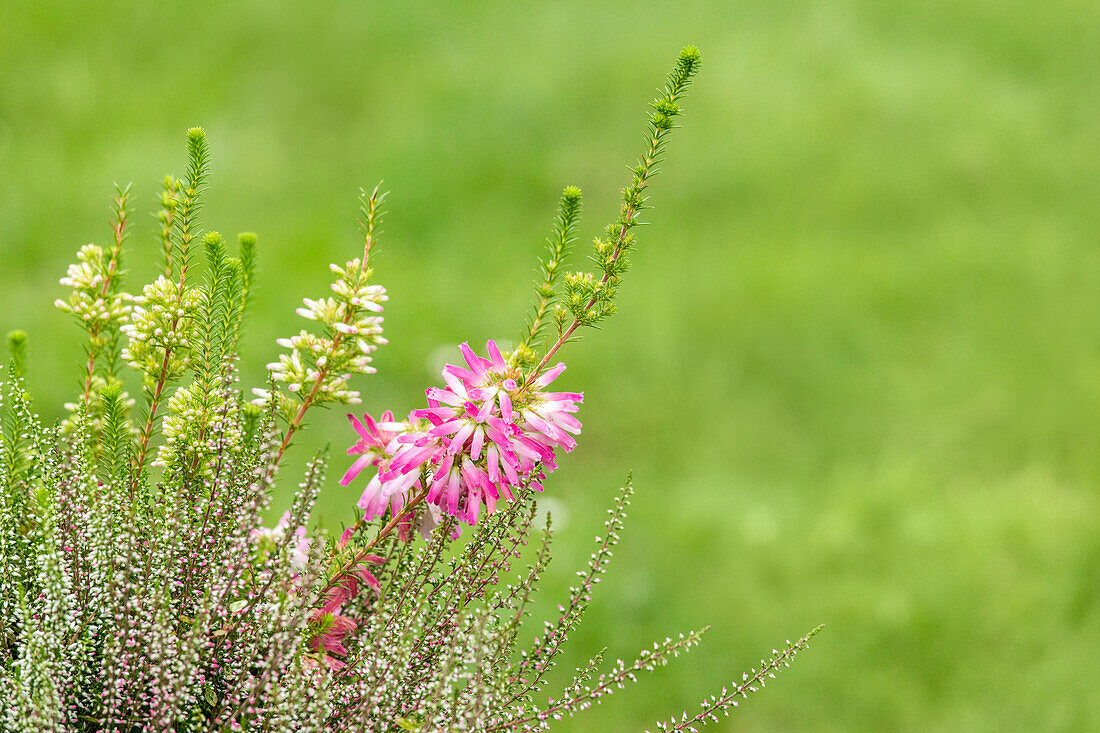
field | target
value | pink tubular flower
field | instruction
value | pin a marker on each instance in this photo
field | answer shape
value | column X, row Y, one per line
column 371, row 446
column 481, row 437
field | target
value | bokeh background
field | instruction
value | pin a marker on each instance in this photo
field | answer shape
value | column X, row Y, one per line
column 856, row 366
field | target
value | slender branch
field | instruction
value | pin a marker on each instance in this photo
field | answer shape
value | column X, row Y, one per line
column 147, row 429
column 750, row 683
column 368, row 225
column 558, row 246
column 372, row 214
column 606, row 685
column 167, row 217
column 185, row 226
column 215, row 482
column 629, row 219
column 122, row 212
column 158, row 390
column 384, row 532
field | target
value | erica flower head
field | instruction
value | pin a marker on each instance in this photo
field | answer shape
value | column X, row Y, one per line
column 482, row 436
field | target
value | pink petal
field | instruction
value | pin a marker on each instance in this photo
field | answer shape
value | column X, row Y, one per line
column 454, row 492
column 455, row 384
column 563, row 396
column 367, row 577
column 473, row 505
column 550, row 375
column 484, row 412
column 445, row 396
column 363, row 432
column 465, row 375
column 370, row 495
column 510, row 472
column 476, row 443
column 492, row 462
column 494, row 354
column 447, row 428
column 476, row 362
column 356, row 468
column 460, row 438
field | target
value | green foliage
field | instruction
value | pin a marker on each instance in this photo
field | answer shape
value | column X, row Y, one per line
column 558, row 246
column 878, row 252
column 115, row 451
column 189, row 201
column 246, row 242
column 166, row 215
column 219, row 320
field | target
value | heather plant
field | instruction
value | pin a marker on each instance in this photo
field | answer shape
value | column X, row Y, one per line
column 140, row 589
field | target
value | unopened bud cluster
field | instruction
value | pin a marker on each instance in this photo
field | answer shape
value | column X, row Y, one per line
column 198, row 430
column 161, row 328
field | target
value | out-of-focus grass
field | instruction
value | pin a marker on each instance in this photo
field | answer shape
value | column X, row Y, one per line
column 856, row 368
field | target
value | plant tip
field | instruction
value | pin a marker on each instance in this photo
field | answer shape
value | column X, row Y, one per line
column 689, row 56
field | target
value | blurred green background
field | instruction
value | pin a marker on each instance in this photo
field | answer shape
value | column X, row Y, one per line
column 856, row 366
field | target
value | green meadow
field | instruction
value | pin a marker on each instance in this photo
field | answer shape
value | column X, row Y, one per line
column 855, row 369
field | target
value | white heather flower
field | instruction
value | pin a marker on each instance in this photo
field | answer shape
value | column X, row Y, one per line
column 319, row 366
column 89, row 303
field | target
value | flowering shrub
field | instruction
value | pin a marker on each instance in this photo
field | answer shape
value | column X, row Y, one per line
column 140, row 594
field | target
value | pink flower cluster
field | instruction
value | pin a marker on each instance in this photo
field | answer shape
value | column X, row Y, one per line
column 335, row 627
column 481, row 437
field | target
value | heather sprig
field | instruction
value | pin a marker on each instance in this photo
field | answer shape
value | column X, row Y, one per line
column 753, row 681
column 102, row 308
column 319, row 366
column 529, row 672
column 589, row 297
column 191, row 410
column 558, row 247
column 166, row 216
column 163, row 324
column 97, row 301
